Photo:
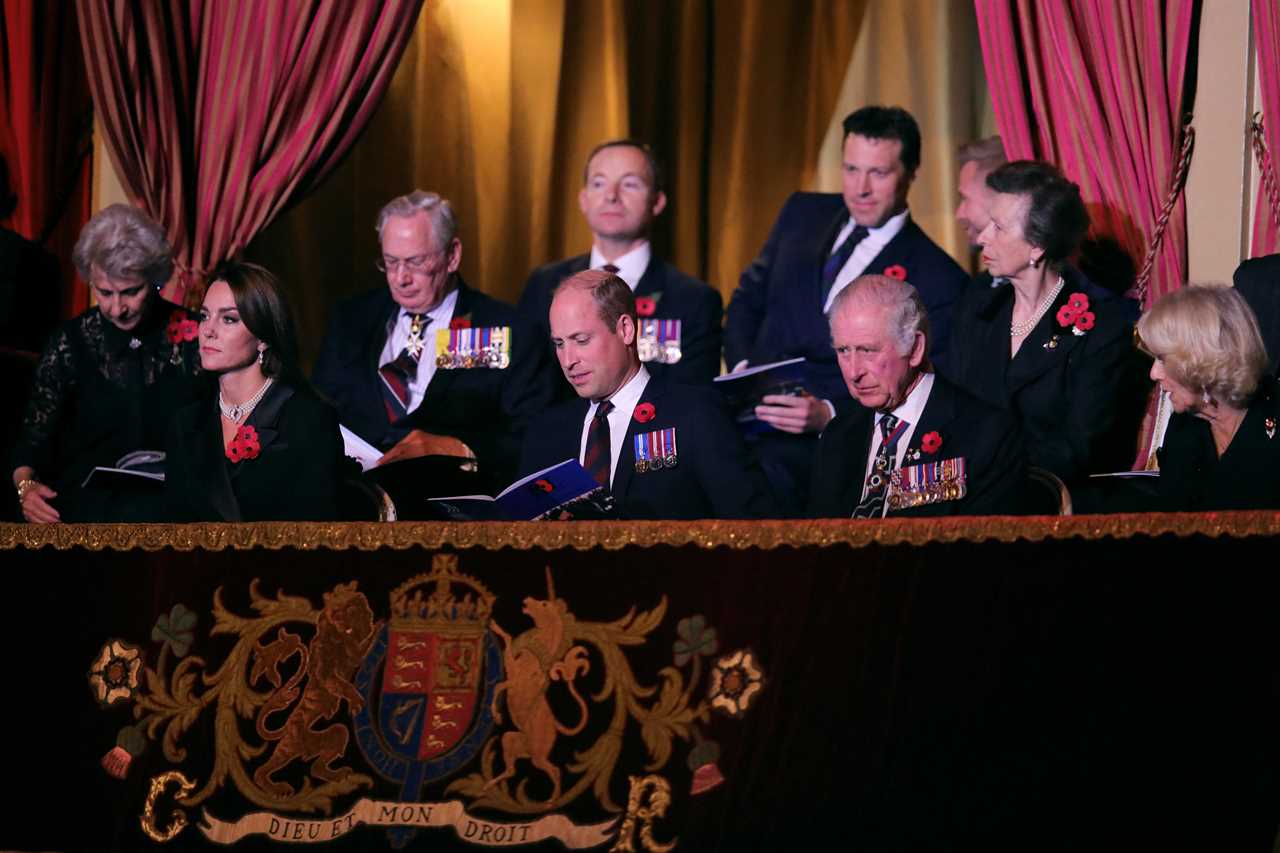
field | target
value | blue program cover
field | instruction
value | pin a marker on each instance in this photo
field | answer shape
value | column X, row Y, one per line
column 566, row 489
column 743, row 391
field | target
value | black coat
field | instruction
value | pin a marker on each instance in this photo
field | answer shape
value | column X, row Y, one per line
column 1258, row 281
column 694, row 303
column 485, row 408
column 1078, row 397
column 296, row 476
column 712, row 478
column 988, row 439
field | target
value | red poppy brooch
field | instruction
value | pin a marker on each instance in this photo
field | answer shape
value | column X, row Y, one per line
column 645, row 412
column 645, row 306
column 245, row 445
column 460, row 323
column 181, row 329
column 1076, row 314
column 897, row 271
column 543, row 485
column 931, row 443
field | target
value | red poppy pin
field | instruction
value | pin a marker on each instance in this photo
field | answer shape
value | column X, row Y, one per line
column 245, row 445
column 931, row 443
column 1076, row 314
column 645, row 412
column 645, row 306
column 181, row 328
column 543, row 485
column 460, row 323
column 897, row 271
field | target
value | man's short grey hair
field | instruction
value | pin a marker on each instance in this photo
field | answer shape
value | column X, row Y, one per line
column 987, row 153
column 126, row 244
column 906, row 312
column 443, row 224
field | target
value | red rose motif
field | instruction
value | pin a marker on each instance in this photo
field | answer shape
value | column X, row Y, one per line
column 460, row 323
column 645, row 412
column 645, row 306
column 1084, row 322
column 543, row 485
column 931, row 443
column 897, row 271
column 1067, row 315
column 1078, row 302
column 245, row 445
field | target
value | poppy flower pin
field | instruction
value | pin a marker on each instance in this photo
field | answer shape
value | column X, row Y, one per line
column 931, row 443
column 1076, row 314
column 245, row 445
column 543, row 485
column 460, row 323
column 646, row 305
column 897, row 271
column 645, row 412
column 181, row 328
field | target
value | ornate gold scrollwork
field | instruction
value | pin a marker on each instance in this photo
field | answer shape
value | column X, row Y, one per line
column 655, row 793
column 148, row 816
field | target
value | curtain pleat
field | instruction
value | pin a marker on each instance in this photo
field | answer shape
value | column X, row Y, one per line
column 1266, row 39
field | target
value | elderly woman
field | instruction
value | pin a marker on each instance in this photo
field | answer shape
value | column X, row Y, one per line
column 1220, row 449
column 267, row 448
column 1038, row 339
column 109, row 379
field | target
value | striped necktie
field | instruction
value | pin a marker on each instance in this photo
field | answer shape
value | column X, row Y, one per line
column 877, row 484
column 599, row 456
column 399, row 372
column 840, row 257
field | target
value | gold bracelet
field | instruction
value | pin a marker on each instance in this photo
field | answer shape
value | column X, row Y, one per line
column 25, row 486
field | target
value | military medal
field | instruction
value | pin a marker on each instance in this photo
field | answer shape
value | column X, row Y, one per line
column 655, row 450
column 659, row 340
column 1270, row 425
column 466, row 347
column 932, row 482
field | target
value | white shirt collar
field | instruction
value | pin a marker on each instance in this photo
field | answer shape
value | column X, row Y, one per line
column 440, row 316
column 864, row 253
column 912, row 408
column 631, row 266
column 626, row 397
column 624, row 404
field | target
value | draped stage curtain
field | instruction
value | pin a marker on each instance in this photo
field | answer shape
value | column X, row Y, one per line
column 218, row 115
column 1266, row 38
column 46, row 126
column 1096, row 87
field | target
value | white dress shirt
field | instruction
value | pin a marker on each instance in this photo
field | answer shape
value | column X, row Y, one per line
column 624, row 403
column 864, row 253
column 631, row 266
column 909, row 411
column 398, row 337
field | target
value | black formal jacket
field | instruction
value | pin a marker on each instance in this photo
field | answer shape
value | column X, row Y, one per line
column 485, row 408
column 1258, row 281
column 694, row 303
column 296, row 476
column 712, row 478
column 1247, row 476
column 1078, row 398
column 776, row 312
column 988, row 439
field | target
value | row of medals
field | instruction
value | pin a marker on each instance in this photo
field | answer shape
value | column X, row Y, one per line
column 948, row 490
column 664, row 352
column 657, row 463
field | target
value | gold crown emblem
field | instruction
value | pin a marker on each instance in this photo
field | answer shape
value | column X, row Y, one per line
column 435, row 603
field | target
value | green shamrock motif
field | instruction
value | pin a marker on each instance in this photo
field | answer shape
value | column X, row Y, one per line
column 176, row 630
column 695, row 638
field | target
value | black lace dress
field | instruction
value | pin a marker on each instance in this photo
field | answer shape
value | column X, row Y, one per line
column 100, row 393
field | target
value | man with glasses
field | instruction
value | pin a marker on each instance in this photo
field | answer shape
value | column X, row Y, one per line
column 426, row 365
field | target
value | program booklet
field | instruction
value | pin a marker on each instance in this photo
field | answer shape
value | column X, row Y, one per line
column 141, row 469
column 563, row 491
column 743, row 391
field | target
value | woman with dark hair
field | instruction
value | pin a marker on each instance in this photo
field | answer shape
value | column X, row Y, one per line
column 1039, row 339
column 109, row 379
column 267, row 448
column 1220, row 449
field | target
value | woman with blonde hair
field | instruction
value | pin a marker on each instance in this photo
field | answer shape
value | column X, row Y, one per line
column 1220, row 450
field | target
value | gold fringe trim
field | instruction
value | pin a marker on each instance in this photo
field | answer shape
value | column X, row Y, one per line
column 615, row 535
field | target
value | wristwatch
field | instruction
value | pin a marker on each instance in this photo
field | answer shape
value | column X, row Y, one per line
column 25, row 486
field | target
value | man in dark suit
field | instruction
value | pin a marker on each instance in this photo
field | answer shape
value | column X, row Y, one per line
column 664, row 450
column 1258, row 281
column 426, row 365
column 917, row 445
column 820, row 243
column 621, row 196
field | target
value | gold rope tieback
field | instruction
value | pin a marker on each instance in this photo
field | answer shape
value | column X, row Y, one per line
column 1265, row 167
column 1175, row 190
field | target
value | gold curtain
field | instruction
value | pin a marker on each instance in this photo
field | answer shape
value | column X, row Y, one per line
column 497, row 102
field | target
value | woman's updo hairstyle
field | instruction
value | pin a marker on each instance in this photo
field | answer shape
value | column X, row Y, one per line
column 1056, row 217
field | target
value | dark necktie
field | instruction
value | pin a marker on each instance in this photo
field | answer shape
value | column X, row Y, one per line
column 397, row 373
column 839, row 258
column 610, row 268
column 877, row 484
column 599, row 455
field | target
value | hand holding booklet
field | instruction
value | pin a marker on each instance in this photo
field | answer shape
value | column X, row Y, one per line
column 563, row 491
column 141, row 469
column 744, row 390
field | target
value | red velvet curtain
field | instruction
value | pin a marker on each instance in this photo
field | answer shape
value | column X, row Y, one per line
column 1266, row 39
column 46, row 132
column 220, row 114
column 1095, row 86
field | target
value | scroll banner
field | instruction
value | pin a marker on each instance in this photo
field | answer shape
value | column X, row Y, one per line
column 473, row 830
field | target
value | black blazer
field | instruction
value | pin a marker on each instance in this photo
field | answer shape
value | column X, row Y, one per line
column 486, row 408
column 1247, row 476
column 296, row 475
column 712, row 478
column 1258, row 281
column 776, row 312
column 694, row 303
column 1078, row 398
column 987, row 438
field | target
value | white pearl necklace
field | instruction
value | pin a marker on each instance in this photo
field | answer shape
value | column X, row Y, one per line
column 237, row 413
column 1018, row 330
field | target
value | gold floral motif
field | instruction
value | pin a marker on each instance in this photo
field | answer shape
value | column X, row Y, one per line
column 655, row 793
column 148, row 816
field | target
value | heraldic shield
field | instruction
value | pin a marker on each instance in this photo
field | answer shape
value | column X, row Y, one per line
column 428, row 680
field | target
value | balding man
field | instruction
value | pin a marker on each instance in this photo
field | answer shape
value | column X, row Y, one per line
column 917, row 445
column 664, row 450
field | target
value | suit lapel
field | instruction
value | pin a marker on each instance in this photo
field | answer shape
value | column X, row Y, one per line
column 209, row 465
column 653, row 279
column 1048, row 345
column 626, row 469
column 860, row 430
column 442, row 380
column 812, row 278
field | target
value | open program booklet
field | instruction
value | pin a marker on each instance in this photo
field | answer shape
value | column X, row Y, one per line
column 141, row 469
column 562, row 491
